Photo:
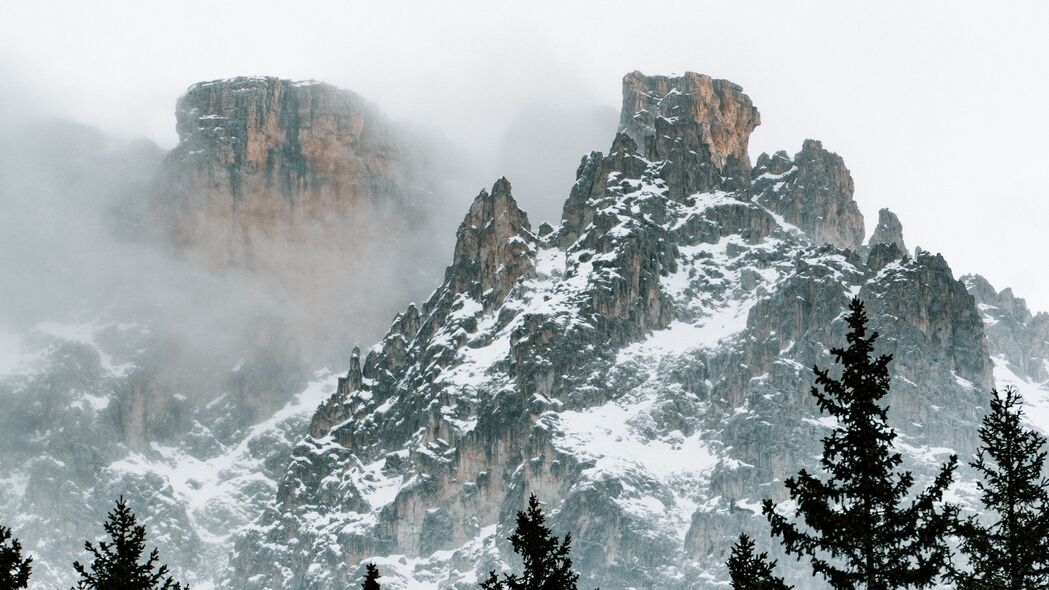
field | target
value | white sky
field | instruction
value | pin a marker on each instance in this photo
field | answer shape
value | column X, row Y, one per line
column 937, row 107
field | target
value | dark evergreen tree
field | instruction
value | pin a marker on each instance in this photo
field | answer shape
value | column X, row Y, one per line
column 14, row 569
column 371, row 578
column 547, row 565
column 1012, row 552
column 117, row 564
column 750, row 571
column 860, row 530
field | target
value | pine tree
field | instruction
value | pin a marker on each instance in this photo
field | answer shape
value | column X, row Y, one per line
column 117, row 564
column 547, row 565
column 752, row 572
column 859, row 530
column 14, row 570
column 1013, row 552
column 371, row 577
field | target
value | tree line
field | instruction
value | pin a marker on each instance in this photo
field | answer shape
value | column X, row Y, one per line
column 857, row 523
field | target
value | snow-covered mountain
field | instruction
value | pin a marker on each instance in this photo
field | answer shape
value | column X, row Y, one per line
column 642, row 366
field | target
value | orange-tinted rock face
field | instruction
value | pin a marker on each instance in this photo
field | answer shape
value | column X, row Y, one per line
column 308, row 189
column 700, row 125
column 264, row 159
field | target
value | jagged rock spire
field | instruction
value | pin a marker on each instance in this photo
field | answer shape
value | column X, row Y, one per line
column 888, row 231
column 352, row 381
column 494, row 247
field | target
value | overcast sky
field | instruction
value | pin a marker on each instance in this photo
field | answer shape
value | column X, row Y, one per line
column 937, row 107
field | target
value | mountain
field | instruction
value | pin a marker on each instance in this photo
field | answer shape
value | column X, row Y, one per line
column 202, row 293
column 304, row 184
column 643, row 367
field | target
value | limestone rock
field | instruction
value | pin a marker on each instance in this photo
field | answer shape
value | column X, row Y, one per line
column 632, row 367
column 261, row 159
column 303, row 187
column 698, row 125
column 494, row 247
column 643, row 367
column 882, row 254
column 931, row 325
column 1017, row 337
column 814, row 194
column 888, row 231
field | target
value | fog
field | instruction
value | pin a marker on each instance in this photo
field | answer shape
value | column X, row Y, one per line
column 935, row 108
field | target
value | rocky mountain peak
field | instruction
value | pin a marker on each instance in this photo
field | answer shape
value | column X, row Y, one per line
column 813, row 193
column 304, row 186
column 888, row 231
column 494, row 247
column 698, row 125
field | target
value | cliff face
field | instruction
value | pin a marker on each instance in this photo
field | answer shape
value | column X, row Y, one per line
column 643, row 367
column 304, row 188
column 1018, row 339
column 292, row 221
column 264, row 160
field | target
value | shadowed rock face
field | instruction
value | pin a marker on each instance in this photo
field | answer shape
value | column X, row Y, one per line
column 814, row 192
column 1016, row 337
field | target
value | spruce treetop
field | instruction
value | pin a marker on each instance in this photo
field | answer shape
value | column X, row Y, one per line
column 1011, row 551
column 117, row 564
column 14, row 569
column 750, row 571
column 371, row 577
column 547, row 564
column 860, row 530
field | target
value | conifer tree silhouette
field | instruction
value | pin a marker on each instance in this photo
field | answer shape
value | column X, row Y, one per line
column 117, row 564
column 547, row 565
column 14, row 569
column 859, row 530
column 750, row 571
column 371, row 578
column 1013, row 551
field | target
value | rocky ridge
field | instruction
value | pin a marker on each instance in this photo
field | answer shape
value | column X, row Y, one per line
column 632, row 366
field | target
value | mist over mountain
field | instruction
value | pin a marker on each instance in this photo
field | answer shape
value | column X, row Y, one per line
column 541, row 147
column 225, row 334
